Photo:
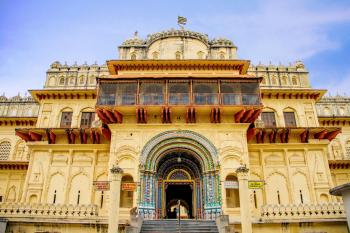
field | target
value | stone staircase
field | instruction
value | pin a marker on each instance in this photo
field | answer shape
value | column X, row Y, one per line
column 164, row 226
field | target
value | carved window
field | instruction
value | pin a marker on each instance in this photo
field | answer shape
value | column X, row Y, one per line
column 284, row 80
column 5, row 149
column 294, row 81
column 269, row 119
column 81, row 80
column 86, row 119
column 222, row 56
column 62, row 81
column 273, row 80
column 126, row 196
column 347, row 148
column 133, row 56
column 200, row 55
column 66, row 119
column 289, row 119
column 232, row 192
column 178, row 55
column 155, row 55
column 341, row 111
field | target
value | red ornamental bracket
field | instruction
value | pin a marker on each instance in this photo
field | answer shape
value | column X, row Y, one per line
column 191, row 115
column 304, row 136
column 83, row 136
column 23, row 136
column 215, row 115
column 238, row 116
column 166, row 115
column 141, row 115
column 105, row 131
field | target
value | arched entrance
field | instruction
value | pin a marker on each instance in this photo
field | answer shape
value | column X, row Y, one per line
column 179, row 165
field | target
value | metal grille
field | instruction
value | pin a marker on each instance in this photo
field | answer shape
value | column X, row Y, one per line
column 66, row 119
column 5, row 148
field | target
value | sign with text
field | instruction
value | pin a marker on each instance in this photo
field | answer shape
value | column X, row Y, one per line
column 256, row 184
column 230, row 184
column 101, row 185
column 128, row 186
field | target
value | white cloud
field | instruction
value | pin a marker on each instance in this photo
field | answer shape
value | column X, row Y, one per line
column 281, row 31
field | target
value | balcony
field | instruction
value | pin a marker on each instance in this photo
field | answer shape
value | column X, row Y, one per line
column 240, row 92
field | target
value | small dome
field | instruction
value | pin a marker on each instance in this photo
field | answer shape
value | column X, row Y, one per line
column 3, row 97
column 299, row 65
column 56, row 65
column 221, row 42
column 134, row 41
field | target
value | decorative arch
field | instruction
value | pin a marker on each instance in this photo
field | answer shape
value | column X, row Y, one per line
column 11, row 194
column 179, row 149
column 189, row 140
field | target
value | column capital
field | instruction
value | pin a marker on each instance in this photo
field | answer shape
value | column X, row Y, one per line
column 242, row 169
column 116, row 172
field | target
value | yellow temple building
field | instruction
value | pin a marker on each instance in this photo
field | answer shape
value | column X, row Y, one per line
column 178, row 126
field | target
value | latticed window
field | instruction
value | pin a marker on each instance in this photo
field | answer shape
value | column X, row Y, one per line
column 289, row 119
column 86, row 119
column 205, row 93
column 152, row 93
column 179, row 92
column 5, row 148
column 66, row 119
column 347, row 148
column 126, row 93
column 107, row 93
column 269, row 119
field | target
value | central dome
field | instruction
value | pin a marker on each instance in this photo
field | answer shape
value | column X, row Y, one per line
column 176, row 44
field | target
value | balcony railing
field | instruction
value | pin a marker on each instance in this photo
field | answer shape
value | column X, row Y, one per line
column 303, row 211
column 47, row 210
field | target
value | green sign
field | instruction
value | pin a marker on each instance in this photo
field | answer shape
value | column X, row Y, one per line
column 256, row 184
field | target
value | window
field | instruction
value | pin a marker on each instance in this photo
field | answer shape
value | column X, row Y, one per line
column 179, row 92
column 126, row 196
column 66, row 119
column 294, row 81
column 289, row 119
column 283, row 80
column 107, row 94
column 200, row 55
column 178, row 55
column 86, row 119
column 269, row 119
column 205, row 93
column 347, row 148
column 222, row 56
column 81, row 80
column 152, row 93
column 126, row 93
column 133, row 56
column 62, row 81
column 5, row 148
column 232, row 192
column 155, row 55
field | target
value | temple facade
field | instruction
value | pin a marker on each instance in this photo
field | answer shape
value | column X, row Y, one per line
column 178, row 121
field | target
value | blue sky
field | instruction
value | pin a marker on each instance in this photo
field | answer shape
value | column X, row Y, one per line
column 33, row 34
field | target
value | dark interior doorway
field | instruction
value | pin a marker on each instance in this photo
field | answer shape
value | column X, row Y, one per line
column 182, row 192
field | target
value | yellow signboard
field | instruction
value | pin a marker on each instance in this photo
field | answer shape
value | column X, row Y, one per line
column 256, row 184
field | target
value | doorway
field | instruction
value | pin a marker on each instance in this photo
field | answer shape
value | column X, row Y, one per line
column 182, row 192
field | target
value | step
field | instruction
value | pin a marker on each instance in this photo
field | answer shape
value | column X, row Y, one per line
column 171, row 225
